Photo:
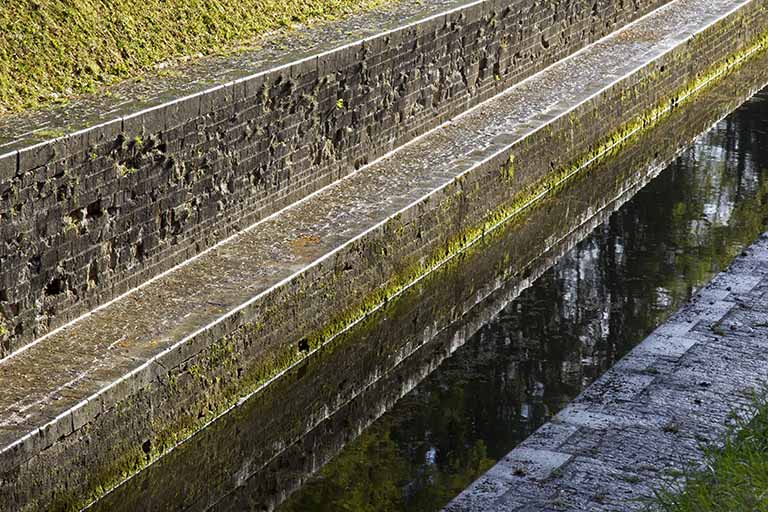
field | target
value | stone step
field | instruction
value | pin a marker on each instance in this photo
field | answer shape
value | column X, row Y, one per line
column 102, row 194
column 87, row 405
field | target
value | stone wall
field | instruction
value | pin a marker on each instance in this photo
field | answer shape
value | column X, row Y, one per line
column 88, row 216
column 142, row 416
column 318, row 407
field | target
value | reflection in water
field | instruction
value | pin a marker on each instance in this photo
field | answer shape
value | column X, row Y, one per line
column 601, row 299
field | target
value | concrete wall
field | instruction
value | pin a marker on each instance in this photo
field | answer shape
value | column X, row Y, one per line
column 88, row 216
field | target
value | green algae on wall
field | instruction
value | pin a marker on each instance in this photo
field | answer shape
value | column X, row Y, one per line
column 51, row 49
column 528, row 197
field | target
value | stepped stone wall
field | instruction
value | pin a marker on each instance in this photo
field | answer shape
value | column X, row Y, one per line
column 394, row 349
column 151, row 408
column 90, row 215
column 189, row 385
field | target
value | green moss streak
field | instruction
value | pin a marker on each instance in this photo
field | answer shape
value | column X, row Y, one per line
column 217, row 395
column 534, row 193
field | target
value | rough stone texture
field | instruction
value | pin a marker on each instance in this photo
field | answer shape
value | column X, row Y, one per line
column 134, row 375
column 324, row 403
column 645, row 419
column 92, row 214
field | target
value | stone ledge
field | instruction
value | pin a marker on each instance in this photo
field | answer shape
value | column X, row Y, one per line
column 107, row 194
column 380, row 359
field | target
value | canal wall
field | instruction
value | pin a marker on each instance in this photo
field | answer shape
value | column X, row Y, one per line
column 324, row 403
column 128, row 382
column 91, row 214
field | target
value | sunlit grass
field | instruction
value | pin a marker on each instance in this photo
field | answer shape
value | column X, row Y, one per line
column 52, row 49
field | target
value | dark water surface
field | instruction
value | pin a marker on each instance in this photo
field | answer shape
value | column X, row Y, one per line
column 601, row 299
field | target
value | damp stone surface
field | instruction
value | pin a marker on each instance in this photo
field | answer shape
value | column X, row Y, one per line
column 140, row 374
column 100, row 195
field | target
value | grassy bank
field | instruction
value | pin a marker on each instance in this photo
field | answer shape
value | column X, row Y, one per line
column 52, row 49
column 735, row 477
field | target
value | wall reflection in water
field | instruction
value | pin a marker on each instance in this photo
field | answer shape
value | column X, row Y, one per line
column 594, row 305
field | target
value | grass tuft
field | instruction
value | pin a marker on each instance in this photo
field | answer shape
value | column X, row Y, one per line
column 734, row 477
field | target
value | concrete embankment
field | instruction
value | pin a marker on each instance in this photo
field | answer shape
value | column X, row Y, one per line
column 93, row 402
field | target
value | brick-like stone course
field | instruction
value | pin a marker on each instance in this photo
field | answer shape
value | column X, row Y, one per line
column 314, row 410
column 92, row 214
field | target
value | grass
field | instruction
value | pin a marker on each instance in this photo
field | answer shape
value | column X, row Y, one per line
column 734, row 477
column 51, row 50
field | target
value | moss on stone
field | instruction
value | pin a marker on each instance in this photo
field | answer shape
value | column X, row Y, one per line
column 52, row 49
column 508, row 172
column 219, row 396
column 608, row 146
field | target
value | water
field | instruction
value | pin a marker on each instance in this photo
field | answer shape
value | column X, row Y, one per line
column 601, row 299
